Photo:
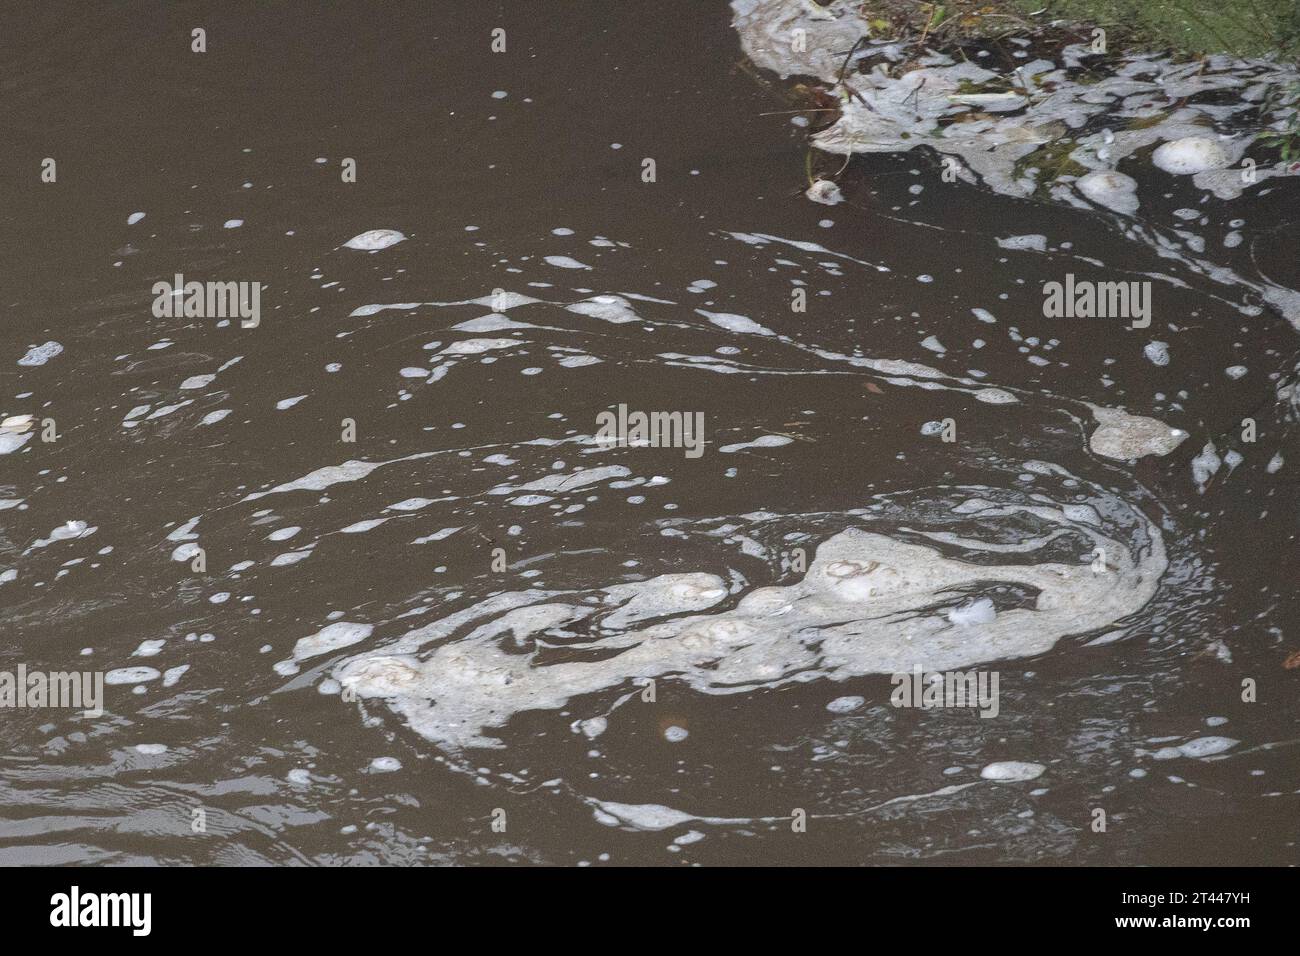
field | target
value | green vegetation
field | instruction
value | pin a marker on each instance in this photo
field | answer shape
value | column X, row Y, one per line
column 1244, row 27
column 1185, row 28
column 1052, row 160
column 1287, row 139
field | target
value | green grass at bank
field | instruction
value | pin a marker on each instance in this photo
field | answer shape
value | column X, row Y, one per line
column 1243, row 27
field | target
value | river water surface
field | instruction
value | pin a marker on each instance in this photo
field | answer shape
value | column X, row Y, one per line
column 436, row 620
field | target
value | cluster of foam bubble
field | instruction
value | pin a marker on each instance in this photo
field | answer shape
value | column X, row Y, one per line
column 870, row 603
column 995, row 122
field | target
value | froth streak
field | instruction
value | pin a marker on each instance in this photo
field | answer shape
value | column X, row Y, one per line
column 869, row 604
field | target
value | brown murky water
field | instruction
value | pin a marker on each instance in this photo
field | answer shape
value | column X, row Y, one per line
column 475, row 473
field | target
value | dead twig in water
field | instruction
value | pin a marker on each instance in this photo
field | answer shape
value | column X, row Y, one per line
column 844, row 68
column 916, row 93
column 820, row 109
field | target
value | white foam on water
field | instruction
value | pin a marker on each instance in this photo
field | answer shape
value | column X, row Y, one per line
column 499, row 302
column 1205, row 466
column 322, row 478
column 735, row 323
column 168, row 409
column 1207, row 746
column 642, row 816
column 332, row 637
column 608, row 308
column 184, row 532
column 131, row 675
column 767, row 34
column 375, row 240
column 980, row 611
column 479, row 346
column 491, row 323
column 664, row 595
column 40, row 354
column 69, row 530
column 410, row 504
column 1191, row 154
column 869, row 603
column 185, row 552
column 1126, row 437
column 1157, row 353
column 1135, row 101
column 360, row 527
column 1035, row 242
column 763, row 441
column 1113, row 190
column 845, row 705
column 573, row 481
column 1197, row 749
column 290, row 557
column 803, row 245
column 1012, row 771
column 439, row 535
column 826, row 192
column 12, row 441
column 564, row 262
column 377, row 307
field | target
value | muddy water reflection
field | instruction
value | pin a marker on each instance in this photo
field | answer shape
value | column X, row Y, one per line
column 452, row 620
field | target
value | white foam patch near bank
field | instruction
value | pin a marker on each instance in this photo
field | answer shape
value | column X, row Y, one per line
column 994, row 123
column 1191, row 154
